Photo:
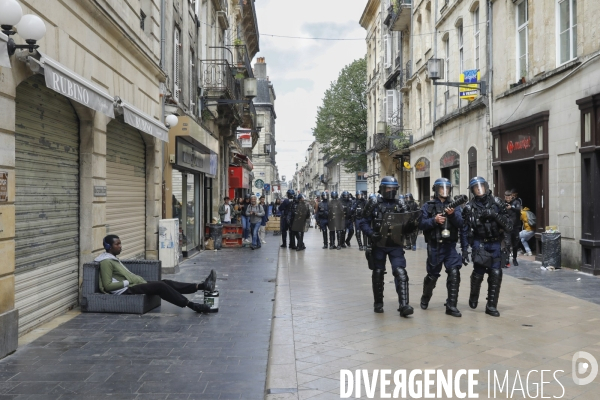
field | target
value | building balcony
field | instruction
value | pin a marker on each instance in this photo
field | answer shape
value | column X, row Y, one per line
column 398, row 17
column 218, row 81
column 220, row 5
column 242, row 61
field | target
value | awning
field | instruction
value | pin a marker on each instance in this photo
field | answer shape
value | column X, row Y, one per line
column 144, row 122
column 4, row 58
column 244, row 160
column 66, row 82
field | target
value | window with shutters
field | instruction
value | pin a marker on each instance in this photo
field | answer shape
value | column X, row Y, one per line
column 387, row 51
column 177, row 64
column 567, row 30
column 392, row 106
column 522, row 39
column 447, row 58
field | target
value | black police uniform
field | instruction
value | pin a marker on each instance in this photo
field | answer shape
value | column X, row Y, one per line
column 411, row 240
column 440, row 251
column 348, row 232
column 323, row 221
column 357, row 210
column 370, row 223
column 516, row 206
column 286, row 209
column 486, row 224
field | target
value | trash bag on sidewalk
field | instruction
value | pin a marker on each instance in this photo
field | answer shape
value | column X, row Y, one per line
column 216, row 233
column 551, row 250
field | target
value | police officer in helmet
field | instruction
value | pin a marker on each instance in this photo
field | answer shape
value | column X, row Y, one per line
column 286, row 211
column 411, row 204
column 348, row 231
column 358, row 207
column 323, row 219
column 371, row 224
column 441, row 227
column 487, row 223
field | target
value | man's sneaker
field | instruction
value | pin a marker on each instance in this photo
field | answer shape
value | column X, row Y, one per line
column 528, row 254
column 199, row 308
column 210, row 281
column 263, row 241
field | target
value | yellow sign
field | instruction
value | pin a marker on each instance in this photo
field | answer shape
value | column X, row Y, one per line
column 470, row 91
column 406, row 165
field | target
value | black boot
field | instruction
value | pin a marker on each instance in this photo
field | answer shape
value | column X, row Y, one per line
column 339, row 239
column 331, row 240
column 476, row 280
column 401, row 280
column 494, row 283
column 324, row 239
column 300, row 242
column 453, row 284
column 292, row 240
column 428, row 286
column 284, row 238
column 209, row 282
column 515, row 263
column 359, row 240
column 343, row 239
column 350, row 234
column 377, row 279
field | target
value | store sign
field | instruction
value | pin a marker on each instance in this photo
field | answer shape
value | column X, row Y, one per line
column 469, row 92
column 191, row 159
column 99, row 191
column 450, row 159
column 244, row 136
column 259, row 183
column 145, row 123
column 77, row 88
column 3, row 186
column 522, row 144
column 518, row 144
column 422, row 169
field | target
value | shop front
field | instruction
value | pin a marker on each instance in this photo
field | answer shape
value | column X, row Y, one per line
column 520, row 161
column 240, row 176
column 422, row 174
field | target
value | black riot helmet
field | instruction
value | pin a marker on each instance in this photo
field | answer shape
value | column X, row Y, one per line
column 409, row 197
column 334, row 195
column 290, row 194
column 478, row 186
column 300, row 197
column 401, row 197
column 358, row 195
column 442, row 188
column 247, row 196
column 345, row 195
column 388, row 187
column 324, row 196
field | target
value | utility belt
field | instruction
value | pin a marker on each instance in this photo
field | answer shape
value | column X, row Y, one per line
column 490, row 240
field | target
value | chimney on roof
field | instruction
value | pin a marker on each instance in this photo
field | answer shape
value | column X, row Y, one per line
column 260, row 68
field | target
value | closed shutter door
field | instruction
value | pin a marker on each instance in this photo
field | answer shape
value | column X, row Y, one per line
column 46, row 204
column 126, row 188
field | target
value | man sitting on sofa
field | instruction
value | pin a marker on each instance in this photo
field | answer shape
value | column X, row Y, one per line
column 116, row 279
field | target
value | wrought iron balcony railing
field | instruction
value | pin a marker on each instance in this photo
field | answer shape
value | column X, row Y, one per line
column 241, row 59
column 398, row 16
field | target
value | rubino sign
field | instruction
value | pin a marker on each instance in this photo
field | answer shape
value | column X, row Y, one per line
column 517, row 145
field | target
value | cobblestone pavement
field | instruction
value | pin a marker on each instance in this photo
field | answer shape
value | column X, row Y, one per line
column 170, row 352
column 324, row 322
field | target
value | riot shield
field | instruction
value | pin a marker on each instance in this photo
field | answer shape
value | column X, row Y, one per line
column 395, row 226
column 337, row 220
column 300, row 218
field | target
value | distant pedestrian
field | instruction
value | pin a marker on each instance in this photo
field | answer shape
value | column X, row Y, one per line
column 254, row 214
column 514, row 207
column 225, row 211
column 265, row 219
column 246, row 219
column 527, row 232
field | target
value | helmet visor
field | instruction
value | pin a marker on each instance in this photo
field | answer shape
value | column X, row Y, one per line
column 444, row 190
column 478, row 189
column 389, row 192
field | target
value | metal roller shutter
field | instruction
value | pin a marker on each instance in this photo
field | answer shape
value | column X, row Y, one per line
column 126, row 188
column 46, row 204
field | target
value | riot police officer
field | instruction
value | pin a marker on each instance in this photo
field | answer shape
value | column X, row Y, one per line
column 441, row 226
column 486, row 224
column 336, row 219
column 322, row 219
column 388, row 246
column 286, row 209
column 298, row 221
column 358, row 207
column 514, row 206
column 411, row 204
column 348, row 231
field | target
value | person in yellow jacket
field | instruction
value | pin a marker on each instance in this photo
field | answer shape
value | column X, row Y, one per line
column 527, row 232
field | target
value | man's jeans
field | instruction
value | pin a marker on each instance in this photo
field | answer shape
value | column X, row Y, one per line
column 245, row 226
column 255, row 239
column 525, row 236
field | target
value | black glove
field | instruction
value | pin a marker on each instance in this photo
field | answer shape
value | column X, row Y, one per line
column 465, row 257
column 488, row 214
column 376, row 237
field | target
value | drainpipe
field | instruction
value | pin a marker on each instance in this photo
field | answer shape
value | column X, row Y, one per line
column 490, row 92
column 163, row 92
column 434, row 87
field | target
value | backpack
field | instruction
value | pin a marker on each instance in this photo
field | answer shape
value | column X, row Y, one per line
column 531, row 220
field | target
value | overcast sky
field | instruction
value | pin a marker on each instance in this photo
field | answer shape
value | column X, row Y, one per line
column 301, row 70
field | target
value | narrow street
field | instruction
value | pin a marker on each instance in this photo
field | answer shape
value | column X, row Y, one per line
column 324, row 322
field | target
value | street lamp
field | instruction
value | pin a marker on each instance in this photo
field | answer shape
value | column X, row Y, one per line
column 30, row 27
column 436, row 72
column 171, row 121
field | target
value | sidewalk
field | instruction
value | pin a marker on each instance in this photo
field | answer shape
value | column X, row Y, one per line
column 170, row 352
column 324, row 322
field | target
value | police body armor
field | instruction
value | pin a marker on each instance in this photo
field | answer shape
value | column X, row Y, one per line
column 435, row 235
column 323, row 210
column 412, row 205
column 393, row 221
column 347, row 205
column 359, row 207
column 336, row 215
column 300, row 214
column 486, row 228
